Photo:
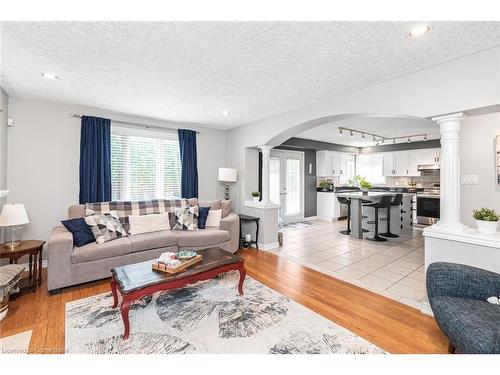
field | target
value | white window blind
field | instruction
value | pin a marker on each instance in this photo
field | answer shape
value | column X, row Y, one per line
column 144, row 165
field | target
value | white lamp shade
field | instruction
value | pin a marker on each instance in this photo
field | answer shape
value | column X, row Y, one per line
column 228, row 174
column 13, row 214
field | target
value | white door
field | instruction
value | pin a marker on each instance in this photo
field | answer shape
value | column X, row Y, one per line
column 289, row 165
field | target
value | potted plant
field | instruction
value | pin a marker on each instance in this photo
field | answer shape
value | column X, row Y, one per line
column 360, row 182
column 323, row 185
column 486, row 220
column 255, row 196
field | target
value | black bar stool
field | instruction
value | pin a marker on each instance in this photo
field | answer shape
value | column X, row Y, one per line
column 384, row 202
column 396, row 201
column 346, row 201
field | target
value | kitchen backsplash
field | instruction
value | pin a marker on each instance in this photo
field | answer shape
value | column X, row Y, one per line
column 427, row 179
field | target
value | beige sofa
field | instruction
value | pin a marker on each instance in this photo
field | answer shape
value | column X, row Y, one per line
column 69, row 265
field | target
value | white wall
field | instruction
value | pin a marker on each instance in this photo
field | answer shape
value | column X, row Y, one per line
column 4, row 108
column 43, row 163
column 477, row 157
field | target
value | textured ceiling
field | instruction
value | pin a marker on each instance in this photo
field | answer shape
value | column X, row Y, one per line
column 191, row 72
column 384, row 127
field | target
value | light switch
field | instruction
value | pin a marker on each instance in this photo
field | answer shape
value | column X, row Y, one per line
column 469, row 179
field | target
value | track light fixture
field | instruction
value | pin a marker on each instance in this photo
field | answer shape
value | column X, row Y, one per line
column 379, row 139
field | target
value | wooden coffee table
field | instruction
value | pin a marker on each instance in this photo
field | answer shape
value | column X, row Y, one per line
column 136, row 281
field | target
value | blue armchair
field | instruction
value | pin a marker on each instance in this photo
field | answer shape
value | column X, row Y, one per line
column 457, row 294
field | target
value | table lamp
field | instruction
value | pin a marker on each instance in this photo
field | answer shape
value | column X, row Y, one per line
column 227, row 175
column 13, row 216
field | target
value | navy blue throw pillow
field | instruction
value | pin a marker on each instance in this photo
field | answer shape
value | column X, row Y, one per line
column 202, row 217
column 81, row 232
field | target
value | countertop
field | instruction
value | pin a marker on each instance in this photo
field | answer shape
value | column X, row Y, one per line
column 370, row 194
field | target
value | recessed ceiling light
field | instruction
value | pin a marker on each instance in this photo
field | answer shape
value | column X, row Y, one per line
column 418, row 30
column 225, row 113
column 49, row 75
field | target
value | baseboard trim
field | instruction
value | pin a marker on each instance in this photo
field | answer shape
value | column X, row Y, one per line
column 268, row 246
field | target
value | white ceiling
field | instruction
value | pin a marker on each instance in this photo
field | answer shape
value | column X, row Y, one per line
column 191, row 72
column 384, row 127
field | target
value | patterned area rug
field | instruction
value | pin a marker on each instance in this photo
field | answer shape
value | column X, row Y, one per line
column 16, row 344
column 208, row 317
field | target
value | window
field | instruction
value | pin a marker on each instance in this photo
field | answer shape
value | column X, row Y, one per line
column 144, row 165
column 371, row 168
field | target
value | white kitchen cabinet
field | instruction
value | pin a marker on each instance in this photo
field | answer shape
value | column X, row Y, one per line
column 331, row 163
column 401, row 163
column 324, row 165
column 388, row 164
column 328, row 207
column 430, row 156
column 412, row 163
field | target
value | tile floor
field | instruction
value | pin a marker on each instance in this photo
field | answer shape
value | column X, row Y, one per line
column 394, row 268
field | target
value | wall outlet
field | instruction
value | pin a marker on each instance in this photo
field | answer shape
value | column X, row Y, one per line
column 469, row 179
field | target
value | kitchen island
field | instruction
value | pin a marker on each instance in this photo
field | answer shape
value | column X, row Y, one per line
column 401, row 216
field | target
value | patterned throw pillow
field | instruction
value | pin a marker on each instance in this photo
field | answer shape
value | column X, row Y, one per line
column 105, row 227
column 186, row 218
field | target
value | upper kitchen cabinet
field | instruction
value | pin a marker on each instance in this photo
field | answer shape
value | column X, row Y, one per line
column 401, row 163
column 430, row 156
column 331, row 163
column 324, row 163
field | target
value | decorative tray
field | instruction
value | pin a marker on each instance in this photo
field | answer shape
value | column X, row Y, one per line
column 163, row 267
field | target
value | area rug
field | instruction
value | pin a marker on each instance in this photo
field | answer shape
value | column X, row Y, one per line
column 16, row 344
column 208, row 317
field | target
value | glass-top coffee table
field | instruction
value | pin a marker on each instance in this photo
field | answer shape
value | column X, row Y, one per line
column 136, row 281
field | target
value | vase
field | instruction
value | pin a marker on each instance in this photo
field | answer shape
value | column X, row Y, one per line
column 256, row 199
column 487, row 227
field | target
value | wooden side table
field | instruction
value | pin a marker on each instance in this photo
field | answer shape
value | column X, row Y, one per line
column 34, row 249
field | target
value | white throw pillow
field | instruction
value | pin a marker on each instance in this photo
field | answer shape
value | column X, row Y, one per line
column 213, row 218
column 148, row 223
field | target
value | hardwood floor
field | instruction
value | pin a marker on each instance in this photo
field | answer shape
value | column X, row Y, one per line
column 390, row 325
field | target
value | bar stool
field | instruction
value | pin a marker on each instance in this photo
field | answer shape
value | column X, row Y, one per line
column 384, row 202
column 396, row 201
column 346, row 201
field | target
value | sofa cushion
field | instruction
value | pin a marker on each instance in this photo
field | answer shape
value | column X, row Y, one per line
column 226, row 207
column 80, row 231
column 153, row 240
column 203, row 237
column 473, row 326
column 140, row 224
column 213, row 204
column 202, row 217
column 127, row 208
column 105, row 227
column 94, row 251
column 186, row 218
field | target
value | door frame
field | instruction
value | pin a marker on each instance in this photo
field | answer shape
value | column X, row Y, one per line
column 281, row 154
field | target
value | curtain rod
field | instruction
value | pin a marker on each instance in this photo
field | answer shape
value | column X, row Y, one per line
column 136, row 124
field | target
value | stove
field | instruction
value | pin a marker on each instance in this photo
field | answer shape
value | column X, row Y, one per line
column 428, row 205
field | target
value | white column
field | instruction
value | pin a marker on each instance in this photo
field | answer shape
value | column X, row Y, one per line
column 449, row 126
column 266, row 152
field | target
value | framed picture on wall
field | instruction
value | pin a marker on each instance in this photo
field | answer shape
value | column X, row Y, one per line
column 497, row 156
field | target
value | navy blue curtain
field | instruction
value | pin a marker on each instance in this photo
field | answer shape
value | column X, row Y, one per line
column 189, row 181
column 95, row 160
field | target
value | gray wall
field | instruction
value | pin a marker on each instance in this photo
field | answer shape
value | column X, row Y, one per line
column 302, row 143
column 43, row 159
